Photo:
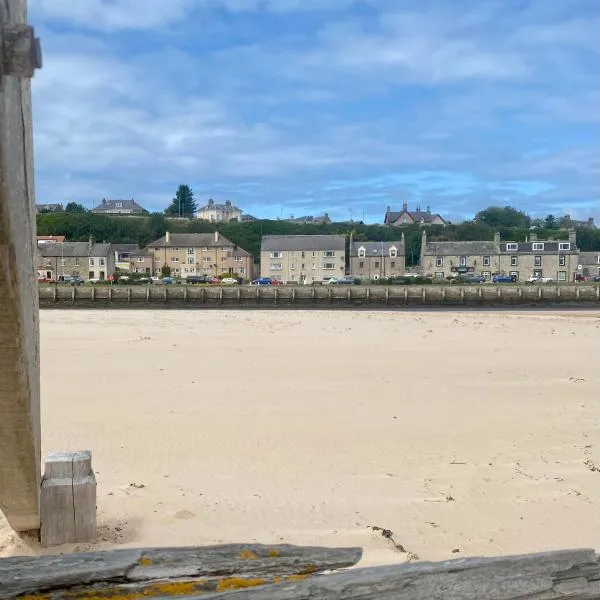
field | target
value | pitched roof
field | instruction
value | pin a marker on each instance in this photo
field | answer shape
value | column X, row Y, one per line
column 589, row 258
column 107, row 205
column 77, row 249
column 376, row 248
column 415, row 215
column 461, row 248
column 226, row 206
column 550, row 247
column 123, row 248
column 303, row 242
column 197, row 240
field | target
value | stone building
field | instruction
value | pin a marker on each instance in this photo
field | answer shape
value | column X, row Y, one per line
column 372, row 260
column 218, row 213
column 589, row 264
column 303, row 258
column 200, row 254
column 550, row 258
column 408, row 217
column 141, row 261
column 87, row 260
column 119, row 207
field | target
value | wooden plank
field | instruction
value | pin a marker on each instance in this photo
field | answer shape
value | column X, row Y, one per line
column 133, row 571
column 19, row 330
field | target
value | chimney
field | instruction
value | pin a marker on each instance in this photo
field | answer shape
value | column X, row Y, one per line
column 591, row 222
column 388, row 209
column 404, row 207
column 90, row 243
column 533, row 237
column 429, row 210
column 167, row 238
column 216, row 237
column 572, row 236
column 497, row 237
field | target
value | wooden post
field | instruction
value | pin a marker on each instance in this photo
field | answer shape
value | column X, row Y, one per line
column 462, row 295
column 68, row 499
column 19, row 301
column 93, row 294
column 368, row 295
column 275, row 295
column 110, row 294
column 424, row 295
column 387, row 295
column 293, row 295
column 129, row 295
column 406, row 295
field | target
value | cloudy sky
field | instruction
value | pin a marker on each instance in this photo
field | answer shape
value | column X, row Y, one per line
column 306, row 106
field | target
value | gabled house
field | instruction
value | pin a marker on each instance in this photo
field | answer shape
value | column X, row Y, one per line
column 119, row 207
column 310, row 220
column 188, row 254
column 45, row 208
column 303, row 258
column 374, row 260
column 218, row 213
column 415, row 217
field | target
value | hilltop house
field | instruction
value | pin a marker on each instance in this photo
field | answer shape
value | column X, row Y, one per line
column 372, row 260
column 199, row 254
column 303, row 258
column 87, row 260
column 217, row 213
column 45, row 208
column 552, row 258
column 407, row 217
column 310, row 220
column 119, row 207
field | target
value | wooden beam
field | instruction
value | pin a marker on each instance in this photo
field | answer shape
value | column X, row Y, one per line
column 19, row 333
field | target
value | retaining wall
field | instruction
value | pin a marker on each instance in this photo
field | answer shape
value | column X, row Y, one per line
column 53, row 296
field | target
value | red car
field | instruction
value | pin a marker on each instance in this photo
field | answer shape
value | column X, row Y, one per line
column 276, row 282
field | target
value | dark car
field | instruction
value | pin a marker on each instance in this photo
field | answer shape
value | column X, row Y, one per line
column 474, row 278
column 198, row 279
column 346, row 280
column 503, row 279
column 262, row 281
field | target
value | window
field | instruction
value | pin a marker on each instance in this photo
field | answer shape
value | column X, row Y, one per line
column 314, row 254
column 314, row 267
column 393, row 252
column 537, row 246
column 328, row 266
column 562, row 260
column 564, row 246
column 514, row 275
column 439, row 275
column 275, row 266
column 486, row 261
column 174, row 259
column 140, row 259
column 328, row 254
column 92, row 262
column 62, row 262
column 376, row 264
column 76, row 262
column 48, row 262
column 242, row 270
column 119, row 205
column 393, row 264
column 102, row 262
column 439, row 261
column 537, row 261
column 562, row 275
column 205, row 249
column 512, row 246
column 275, row 254
column 191, row 251
column 514, row 261
column 302, row 267
column 361, row 252
column 538, row 273
column 175, row 248
column 361, row 264
column 463, row 261
column 191, row 260
column 302, row 254
column 207, row 259
column 292, row 266
column 486, row 275
column 238, row 258
column 175, row 270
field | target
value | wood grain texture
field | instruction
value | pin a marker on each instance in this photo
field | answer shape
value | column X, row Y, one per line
column 121, row 571
column 19, row 331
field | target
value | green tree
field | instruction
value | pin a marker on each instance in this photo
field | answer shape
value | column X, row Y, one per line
column 503, row 217
column 166, row 271
column 183, row 205
column 550, row 222
column 73, row 207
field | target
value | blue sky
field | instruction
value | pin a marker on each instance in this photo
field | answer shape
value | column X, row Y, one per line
column 311, row 106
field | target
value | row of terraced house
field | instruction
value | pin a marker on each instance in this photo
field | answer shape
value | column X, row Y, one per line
column 314, row 258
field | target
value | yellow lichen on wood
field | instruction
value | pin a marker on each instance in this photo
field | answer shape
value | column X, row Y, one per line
column 248, row 555
column 273, row 553
column 238, row 583
column 296, row 577
column 145, row 561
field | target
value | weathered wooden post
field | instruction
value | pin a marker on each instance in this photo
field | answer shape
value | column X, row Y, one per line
column 19, row 329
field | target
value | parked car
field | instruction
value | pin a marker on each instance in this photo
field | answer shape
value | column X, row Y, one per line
column 198, row 279
column 144, row 281
column 94, row 280
column 154, row 279
column 70, row 279
column 330, row 280
column 474, row 278
column 503, row 279
column 346, row 280
column 262, row 281
column 165, row 281
column 597, row 278
column 536, row 279
column 229, row 281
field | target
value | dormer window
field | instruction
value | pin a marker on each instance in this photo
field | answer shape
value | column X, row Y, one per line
column 564, row 246
column 119, row 205
column 393, row 252
column 512, row 246
column 537, row 246
column 361, row 252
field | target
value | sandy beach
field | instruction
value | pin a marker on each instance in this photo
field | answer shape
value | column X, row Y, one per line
column 463, row 433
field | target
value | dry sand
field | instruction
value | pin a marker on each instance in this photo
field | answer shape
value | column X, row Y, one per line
column 462, row 433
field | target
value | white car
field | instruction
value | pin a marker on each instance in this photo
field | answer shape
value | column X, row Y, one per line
column 154, row 279
column 536, row 279
column 229, row 281
column 329, row 280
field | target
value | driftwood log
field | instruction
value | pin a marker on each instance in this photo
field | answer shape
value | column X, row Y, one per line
column 284, row 572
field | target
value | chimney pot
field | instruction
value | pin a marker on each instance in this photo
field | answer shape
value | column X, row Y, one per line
column 167, row 237
column 216, row 236
column 404, row 206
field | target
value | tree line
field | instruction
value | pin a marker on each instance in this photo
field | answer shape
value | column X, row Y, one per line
column 512, row 224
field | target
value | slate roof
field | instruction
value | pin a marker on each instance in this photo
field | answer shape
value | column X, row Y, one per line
column 111, row 205
column 589, row 259
column 212, row 204
column 76, row 249
column 52, row 207
column 416, row 216
column 303, row 242
column 461, row 248
column 197, row 240
column 375, row 248
column 550, row 247
column 125, row 248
